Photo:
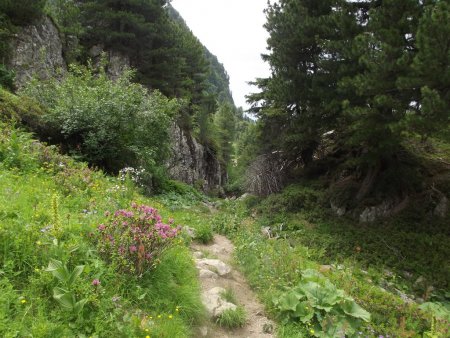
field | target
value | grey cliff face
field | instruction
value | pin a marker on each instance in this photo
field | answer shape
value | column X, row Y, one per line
column 193, row 163
column 37, row 51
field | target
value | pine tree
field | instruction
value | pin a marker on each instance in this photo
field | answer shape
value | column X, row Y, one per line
column 297, row 106
column 430, row 74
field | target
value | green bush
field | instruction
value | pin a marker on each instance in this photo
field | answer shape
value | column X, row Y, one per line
column 97, row 300
column 17, row 149
column 204, row 233
column 22, row 110
column 110, row 124
column 6, row 77
column 134, row 240
column 293, row 198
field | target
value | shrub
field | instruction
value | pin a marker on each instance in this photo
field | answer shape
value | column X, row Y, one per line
column 16, row 149
column 6, row 77
column 204, row 233
column 21, row 110
column 111, row 124
column 291, row 199
column 134, row 240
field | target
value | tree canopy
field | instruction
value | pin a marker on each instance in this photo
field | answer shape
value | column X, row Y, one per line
column 366, row 70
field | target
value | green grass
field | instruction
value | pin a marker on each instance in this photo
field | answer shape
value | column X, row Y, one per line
column 232, row 318
column 229, row 295
column 165, row 302
column 360, row 254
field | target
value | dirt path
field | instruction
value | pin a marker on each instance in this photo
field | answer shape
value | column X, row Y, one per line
column 209, row 260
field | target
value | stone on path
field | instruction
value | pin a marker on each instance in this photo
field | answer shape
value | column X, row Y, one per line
column 204, row 331
column 203, row 273
column 213, row 265
column 198, row 254
column 214, row 303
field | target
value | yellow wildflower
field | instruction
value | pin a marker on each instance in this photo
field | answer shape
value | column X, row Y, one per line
column 23, row 301
column 170, row 316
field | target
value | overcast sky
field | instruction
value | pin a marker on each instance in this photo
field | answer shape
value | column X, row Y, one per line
column 232, row 30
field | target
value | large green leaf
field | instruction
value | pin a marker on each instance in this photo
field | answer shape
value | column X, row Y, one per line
column 64, row 298
column 59, row 270
column 75, row 273
column 54, row 265
column 288, row 301
column 335, row 326
column 79, row 306
column 352, row 309
column 312, row 275
column 437, row 309
column 323, row 296
column 304, row 311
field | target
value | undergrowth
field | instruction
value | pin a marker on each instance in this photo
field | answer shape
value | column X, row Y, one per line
column 53, row 280
column 232, row 318
column 383, row 267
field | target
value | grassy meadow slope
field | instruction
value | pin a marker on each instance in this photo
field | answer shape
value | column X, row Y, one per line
column 50, row 209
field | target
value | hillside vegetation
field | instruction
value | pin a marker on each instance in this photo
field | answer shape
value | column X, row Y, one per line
column 337, row 199
column 57, row 278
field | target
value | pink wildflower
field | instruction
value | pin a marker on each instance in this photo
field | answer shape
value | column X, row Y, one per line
column 96, row 282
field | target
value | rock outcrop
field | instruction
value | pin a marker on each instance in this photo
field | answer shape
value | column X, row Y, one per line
column 116, row 62
column 193, row 163
column 37, row 50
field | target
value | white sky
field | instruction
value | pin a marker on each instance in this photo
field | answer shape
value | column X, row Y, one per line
column 232, row 30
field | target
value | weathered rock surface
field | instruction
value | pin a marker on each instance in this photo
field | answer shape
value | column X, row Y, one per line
column 441, row 209
column 37, row 52
column 214, row 303
column 385, row 209
column 214, row 265
column 339, row 211
column 116, row 62
column 190, row 232
column 197, row 254
column 193, row 163
column 204, row 273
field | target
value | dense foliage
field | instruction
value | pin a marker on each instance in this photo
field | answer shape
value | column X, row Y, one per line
column 163, row 51
column 111, row 124
column 284, row 240
column 370, row 71
column 53, row 281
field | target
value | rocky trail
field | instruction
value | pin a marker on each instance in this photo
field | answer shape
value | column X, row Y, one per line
column 217, row 278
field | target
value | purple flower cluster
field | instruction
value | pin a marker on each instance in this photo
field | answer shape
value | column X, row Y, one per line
column 135, row 239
